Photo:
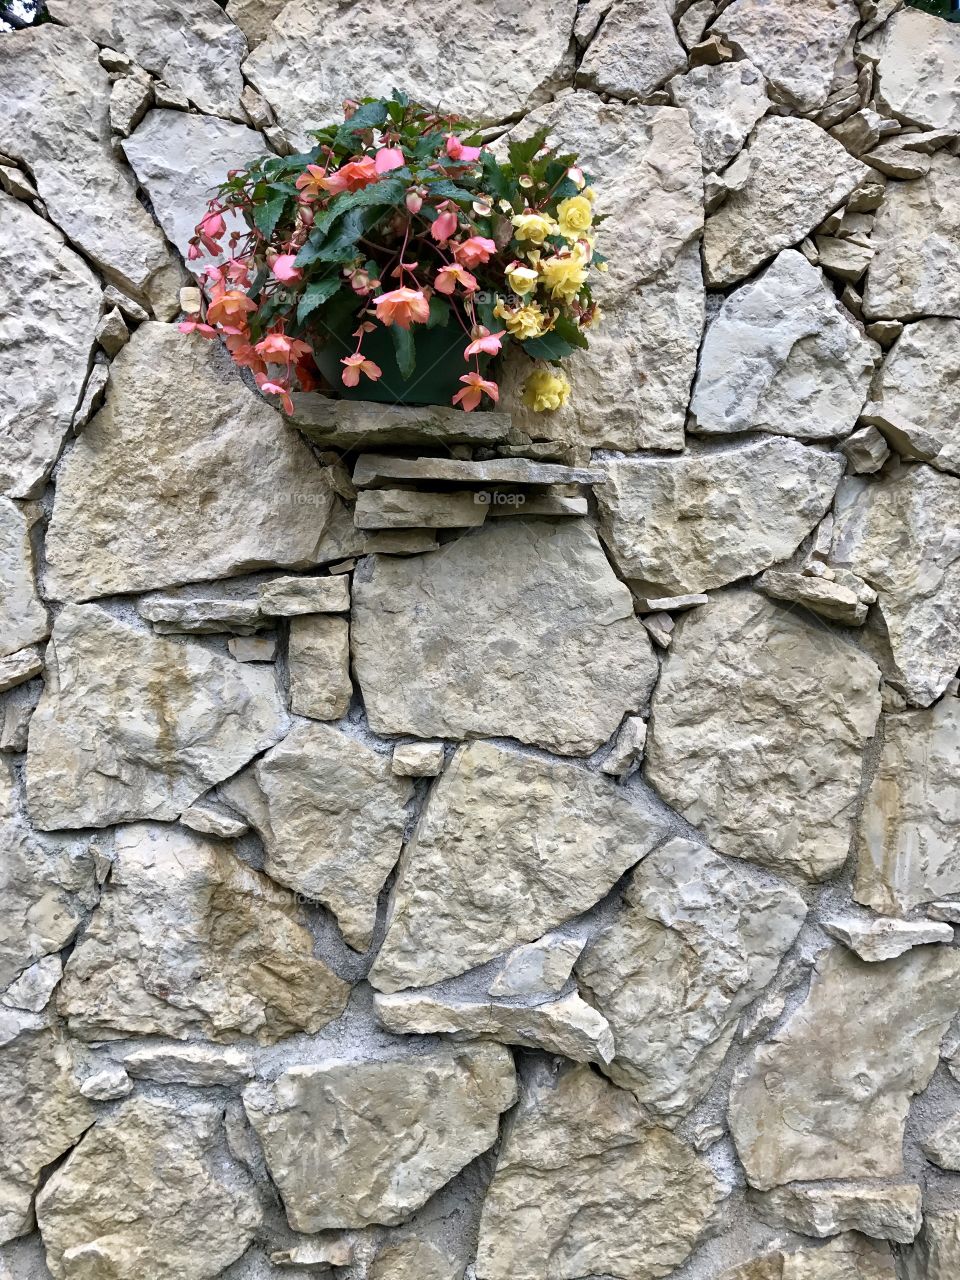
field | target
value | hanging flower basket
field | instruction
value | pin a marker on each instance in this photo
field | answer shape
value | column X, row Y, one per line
column 399, row 257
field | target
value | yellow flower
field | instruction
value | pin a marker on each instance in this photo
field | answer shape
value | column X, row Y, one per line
column 522, row 279
column 534, row 227
column 545, row 391
column 565, row 276
column 589, row 193
column 522, row 322
column 574, row 216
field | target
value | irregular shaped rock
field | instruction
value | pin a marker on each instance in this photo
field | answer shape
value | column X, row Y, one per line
column 330, row 812
column 42, row 1114
column 108, row 1084
column 882, row 1210
column 827, row 1095
column 910, row 824
column 129, row 99
column 918, row 75
column 696, row 940
column 382, row 471
column 627, row 751
column 510, row 56
column 157, row 489
column 350, row 1143
column 793, row 175
column 847, row 1258
column 291, row 597
column 188, row 940
column 829, row 599
column 192, row 1064
column 318, row 660
column 757, row 731
column 353, row 424
column 180, row 160
column 174, row 614
column 254, row 17
column 133, row 726
column 198, row 51
column 19, row 667
column 915, row 270
column 634, row 52
column 866, row 451
column 874, row 940
column 23, row 619
column 212, row 822
column 920, row 381
column 724, row 102
column 252, row 648
column 180, row 1212
column 900, row 532
column 415, row 1260
column 15, row 713
column 783, row 356
column 57, row 102
column 797, row 47
column 544, row 647
column 936, row 1254
column 612, row 1196
column 540, row 968
column 410, row 509
column 507, row 847
column 33, row 989
column 943, row 1145
column 51, row 308
column 686, row 524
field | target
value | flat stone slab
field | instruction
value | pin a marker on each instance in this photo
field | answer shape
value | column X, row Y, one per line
column 351, row 424
column 409, row 509
column 377, row 471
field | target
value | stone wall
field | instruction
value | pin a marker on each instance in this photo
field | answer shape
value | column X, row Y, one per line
column 501, row 846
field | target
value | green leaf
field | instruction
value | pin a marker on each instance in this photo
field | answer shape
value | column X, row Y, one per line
column 317, row 292
column 406, row 354
column 339, row 244
column 550, row 347
column 444, row 189
column 267, row 215
column 439, row 312
column 522, row 153
column 494, row 179
column 380, row 194
column 570, row 332
column 371, row 115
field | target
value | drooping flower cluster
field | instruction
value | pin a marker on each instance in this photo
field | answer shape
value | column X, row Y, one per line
column 399, row 219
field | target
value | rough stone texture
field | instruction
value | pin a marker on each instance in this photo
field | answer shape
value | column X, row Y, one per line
column 724, row 102
column 916, row 268
column 508, row 846
column 696, row 940
column 350, row 424
column 830, row 599
column 19, row 667
column 910, row 822
column 544, row 647
column 708, row 517
column 827, row 1095
column 417, row 759
column 33, row 989
column 885, row 1211
column 189, row 940
column 796, row 46
column 212, row 822
column 865, row 450
column 318, row 659
column 634, row 52
column 508, row 56
column 133, row 726
column 943, row 1145
column 254, row 17
column 180, row 1212
column 584, row 1187
column 410, row 509
column 874, row 940
column 758, row 726
column 157, row 489
column 936, row 1255
column 400, row 1130
column 918, row 75
column 197, row 50
column 900, row 532
column 783, row 356
column 920, row 381
column 56, row 102
column 51, row 301
column 540, row 968
column 847, row 1258
column 23, row 619
column 331, row 815
column 189, row 1064
column 291, row 597
column 793, row 175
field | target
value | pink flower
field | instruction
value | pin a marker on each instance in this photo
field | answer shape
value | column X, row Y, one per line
column 414, row 200
column 352, row 176
column 484, row 343
column 457, row 151
column 403, row 307
column 231, row 308
column 211, row 228
column 197, row 326
column 275, row 389
column 312, row 181
column 475, row 251
column 444, row 225
column 449, row 276
column 357, row 364
column 284, row 269
column 194, row 252
column 474, row 387
column 277, row 348
column 388, row 158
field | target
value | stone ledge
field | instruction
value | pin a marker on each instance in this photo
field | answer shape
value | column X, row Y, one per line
column 350, row 423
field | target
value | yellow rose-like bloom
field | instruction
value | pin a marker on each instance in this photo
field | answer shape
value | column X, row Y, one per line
column 522, row 322
column 522, row 279
column 545, row 391
column 589, row 194
column 574, row 216
column 564, row 277
column 534, row 227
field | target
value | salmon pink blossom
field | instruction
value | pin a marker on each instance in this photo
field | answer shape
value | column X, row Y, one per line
column 484, row 343
column 352, row 176
column 277, row 348
column 231, row 308
column 388, row 158
column 403, row 307
column 452, row 274
column 270, row 388
column 444, row 225
column 357, row 364
column 457, row 151
column 475, row 386
column 311, row 181
column 283, row 268
column 197, row 326
column 475, row 251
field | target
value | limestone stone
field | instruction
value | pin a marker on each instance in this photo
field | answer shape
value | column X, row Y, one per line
column 511, row 56
column 318, row 659
column 827, row 1095
column 180, row 160
column 192, row 1064
column 936, row 1254
column 129, row 99
column 797, row 47
column 330, row 812
column 916, row 268
column 627, row 751
column 291, row 597
column 157, row 489
column 404, row 1127
column 15, row 712
column 415, row 1260
column 111, row 333
column 254, row 17
column 198, row 51
column 694, row 20
column 15, row 183
column 398, row 542
column 865, row 450
column 583, row 1186
column 918, row 75
column 724, row 102
column 33, row 989
column 188, row 940
column 920, row 381
column 540, row 968
column 696, row 940
column 173, row 613
column 847, row 259
column 352, row 424
column 875, row 940
column 898, row 161
column 417, row 759
column 847, row 1258
column 212, row 822
column 943, row 1145
column 708, row 517
column 181, row 1211
column 568, row 1025
column 253, row 648
column 794, row 174
column 42, row 1114
column 412, row 509
column 544, row 647
column 900, row 532
column 23, row 619
column 19, row 667
column 783, row 356
column 757, row 732
column 820, row 595
column 882, row 1210
column 107, row 1084
column 910, row 442
column 383, row 471
column 56, row 103
column 508, row 846
column 133, row 726
column 634, row 52
column 907, row 839
column 51, row 308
